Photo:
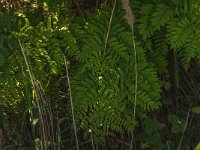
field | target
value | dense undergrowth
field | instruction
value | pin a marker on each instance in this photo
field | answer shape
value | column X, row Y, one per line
column 99, row 74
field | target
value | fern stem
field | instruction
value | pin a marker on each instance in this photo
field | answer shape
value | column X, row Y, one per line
column 109, row 27
column 72, row 106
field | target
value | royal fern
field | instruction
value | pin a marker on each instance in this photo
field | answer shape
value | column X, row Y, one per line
column 103, row 90
column 176, row 22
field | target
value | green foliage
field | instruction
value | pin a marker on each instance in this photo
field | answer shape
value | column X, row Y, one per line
column 103, row 90
column 150, row 137
column 197, row 147
column 177, row 124
column 169, row 31
column 103, row 80
column 196, row 110
column 2, row 59
column 180, row 26
column 101, row 69
column 7, row 26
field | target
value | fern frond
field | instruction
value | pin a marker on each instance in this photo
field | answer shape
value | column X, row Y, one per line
column 146, row 29
column 158, row 51
column 190, row 51
column 179, row 31
column 161, row 15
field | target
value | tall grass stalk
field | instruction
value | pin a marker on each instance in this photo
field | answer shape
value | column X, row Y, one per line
column 185, row 126
column 72, row 106
column 109, row 27
column 130, row 20
column 93, row 148
column 45, row 114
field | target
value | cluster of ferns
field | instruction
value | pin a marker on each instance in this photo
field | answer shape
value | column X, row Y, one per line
column 103, row 79
column 103, row 75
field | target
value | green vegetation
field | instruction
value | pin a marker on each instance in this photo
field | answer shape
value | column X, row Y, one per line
column 98, row 74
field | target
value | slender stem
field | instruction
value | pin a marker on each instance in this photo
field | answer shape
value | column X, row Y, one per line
column 185, row 126
column 136, row 74
column 93, row 148
column 35, row 91
column 109, row 27
column 136, row 84
column 130, row 20
column 72, row 106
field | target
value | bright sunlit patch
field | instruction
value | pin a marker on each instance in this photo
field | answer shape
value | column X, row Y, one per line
column 45, row 4
column 98, row 102
column 34, row 121
column 17, row 83
column 100, row 77
column 20, row 14
column 63, row 28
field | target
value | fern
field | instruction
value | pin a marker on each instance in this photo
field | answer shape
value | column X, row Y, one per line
column 101, row 58
column 103, row 79
column 175, row 21
column 103, row 92
column 8, row 25
column 157, row 49
column 161, row 16
column 191, row 51
column 145, row 27
column 179, row 31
